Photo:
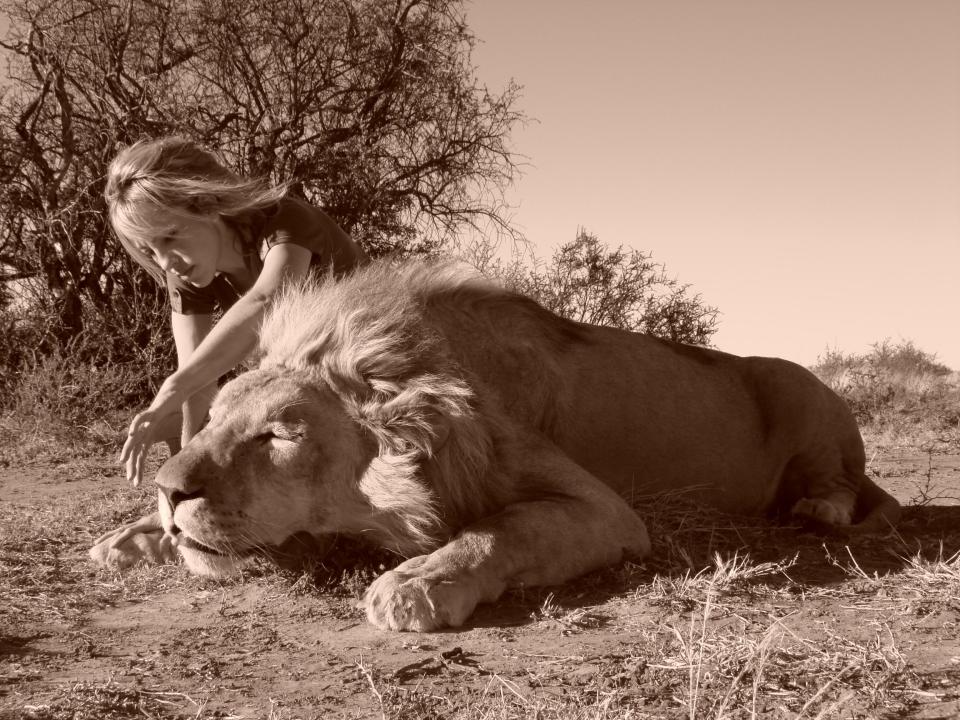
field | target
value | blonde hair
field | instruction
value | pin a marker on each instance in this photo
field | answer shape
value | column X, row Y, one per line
column 180, row 177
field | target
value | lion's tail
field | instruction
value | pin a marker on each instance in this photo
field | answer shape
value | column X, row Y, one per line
column 878, row 511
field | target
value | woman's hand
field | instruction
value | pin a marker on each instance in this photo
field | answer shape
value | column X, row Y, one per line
column 160, row 421
column 141, row 436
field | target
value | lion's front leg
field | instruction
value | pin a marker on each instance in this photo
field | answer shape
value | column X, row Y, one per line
column 425, row 593
column 544, row 542
column 142, row 541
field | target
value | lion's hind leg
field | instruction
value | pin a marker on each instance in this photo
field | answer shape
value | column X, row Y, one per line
column 826, row 487
column 828, row 511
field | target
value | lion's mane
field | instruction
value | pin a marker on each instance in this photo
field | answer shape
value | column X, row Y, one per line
column 371, row 341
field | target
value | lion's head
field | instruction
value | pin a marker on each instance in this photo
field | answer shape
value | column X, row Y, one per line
column 250, row 479
column 350, row 416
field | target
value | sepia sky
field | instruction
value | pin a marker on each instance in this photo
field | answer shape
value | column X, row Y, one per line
column 797, row 162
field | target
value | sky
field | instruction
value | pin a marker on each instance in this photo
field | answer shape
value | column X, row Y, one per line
column 796, row 162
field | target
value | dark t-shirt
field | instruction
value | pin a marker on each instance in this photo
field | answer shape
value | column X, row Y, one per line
column 291, row 221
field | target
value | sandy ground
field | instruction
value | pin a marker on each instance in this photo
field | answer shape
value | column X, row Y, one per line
column 173, row 646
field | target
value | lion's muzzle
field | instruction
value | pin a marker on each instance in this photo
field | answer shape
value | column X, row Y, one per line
column 188, row 482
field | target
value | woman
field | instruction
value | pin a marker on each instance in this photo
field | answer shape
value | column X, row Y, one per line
column 217, row 241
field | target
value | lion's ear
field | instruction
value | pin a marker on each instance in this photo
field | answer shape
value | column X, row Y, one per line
column 439, row 430
column 402, row 426
column 417, row 416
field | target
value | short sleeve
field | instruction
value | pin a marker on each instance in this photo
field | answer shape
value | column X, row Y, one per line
column 300, row 223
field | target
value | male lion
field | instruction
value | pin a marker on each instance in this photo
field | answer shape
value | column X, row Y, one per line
column 492, row 442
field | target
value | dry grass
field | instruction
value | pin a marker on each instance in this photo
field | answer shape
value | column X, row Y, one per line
column 718, row 634
column 91, row 701
column 722, row 659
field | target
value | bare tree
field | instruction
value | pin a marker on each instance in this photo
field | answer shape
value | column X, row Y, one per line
column 369, row 107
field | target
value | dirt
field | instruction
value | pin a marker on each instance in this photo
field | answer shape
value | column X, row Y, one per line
column 165, row 645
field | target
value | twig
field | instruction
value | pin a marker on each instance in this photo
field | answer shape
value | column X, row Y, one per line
column 373, row 688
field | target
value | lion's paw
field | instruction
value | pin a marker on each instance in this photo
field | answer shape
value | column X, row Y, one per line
column 147, row 547
column 822, row 510
column 409, row 599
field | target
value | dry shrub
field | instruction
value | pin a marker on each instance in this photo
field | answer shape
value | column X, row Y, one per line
column 898, row 392
column 75, row 393
column 75, row 403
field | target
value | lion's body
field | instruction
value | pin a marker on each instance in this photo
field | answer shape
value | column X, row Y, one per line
column 646, row 415
column 437, row 414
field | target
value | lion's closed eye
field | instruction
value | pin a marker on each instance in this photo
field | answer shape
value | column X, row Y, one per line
column 282, row 434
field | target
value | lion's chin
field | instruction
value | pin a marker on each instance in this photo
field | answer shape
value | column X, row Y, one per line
column 206, row 563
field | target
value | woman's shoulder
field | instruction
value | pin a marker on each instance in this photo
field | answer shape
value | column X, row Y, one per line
column 294, row 215
column 294, row 220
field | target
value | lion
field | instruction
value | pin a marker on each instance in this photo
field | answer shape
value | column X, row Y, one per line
column 493, row 443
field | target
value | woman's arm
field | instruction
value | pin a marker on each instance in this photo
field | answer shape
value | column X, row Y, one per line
column 234, row 337
column 229, row 342
column 188, row 332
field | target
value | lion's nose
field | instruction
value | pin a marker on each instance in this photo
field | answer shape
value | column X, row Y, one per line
column 178, row 496
column 183, row 476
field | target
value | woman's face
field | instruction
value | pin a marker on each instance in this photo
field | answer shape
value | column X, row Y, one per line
column 192, row 247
